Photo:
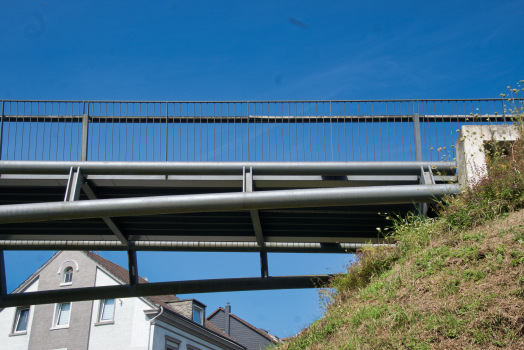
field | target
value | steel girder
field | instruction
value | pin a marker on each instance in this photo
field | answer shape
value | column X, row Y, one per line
column 121, row 207
column 164, row 288
column 223, row 168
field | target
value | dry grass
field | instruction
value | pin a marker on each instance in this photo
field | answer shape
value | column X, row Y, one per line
column 453, row 282
column 462, row 291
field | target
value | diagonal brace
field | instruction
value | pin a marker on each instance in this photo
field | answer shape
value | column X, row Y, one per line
column 109, row 222
column 255, row 218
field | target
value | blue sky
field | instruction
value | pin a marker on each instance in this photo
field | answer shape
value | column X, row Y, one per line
column 238, row 50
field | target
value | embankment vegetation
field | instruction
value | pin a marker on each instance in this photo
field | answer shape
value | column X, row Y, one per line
column 452, row 282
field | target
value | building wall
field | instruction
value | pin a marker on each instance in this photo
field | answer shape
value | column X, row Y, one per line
column 183, row 307
column 243, row 334
column 246, row 336
column 7, row 318
column 218, row 320
column 75, row 337
column 161, row 329
column 130, row 329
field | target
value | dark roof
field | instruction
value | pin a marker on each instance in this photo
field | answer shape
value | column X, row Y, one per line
column 161, row 300
column 259, row 331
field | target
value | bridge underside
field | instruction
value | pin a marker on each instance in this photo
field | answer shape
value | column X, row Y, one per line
column 245, row 207
column 344, row 224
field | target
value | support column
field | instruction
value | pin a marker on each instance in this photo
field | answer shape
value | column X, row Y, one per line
column 3, row 280
column 133, row 269
column 248, row 186
column 74, row 185
column 255, row 218
column 426, row 178
column 263, row 265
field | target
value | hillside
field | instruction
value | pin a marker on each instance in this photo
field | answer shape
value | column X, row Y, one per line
column 452, row 282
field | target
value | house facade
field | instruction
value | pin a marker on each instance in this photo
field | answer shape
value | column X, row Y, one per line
column 152, row 323
column 246, row 334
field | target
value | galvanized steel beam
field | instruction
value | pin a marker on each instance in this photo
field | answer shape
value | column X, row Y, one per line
column 223, row 168
column 74, row 184
column 408, row 194
column 109, row 222
column 164, row 288
column 255, row 218
column 271, row 247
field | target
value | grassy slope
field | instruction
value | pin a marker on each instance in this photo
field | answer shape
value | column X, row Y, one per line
column 455, row 282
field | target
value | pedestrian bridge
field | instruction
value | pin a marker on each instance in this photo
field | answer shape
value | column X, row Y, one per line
column 264, row 176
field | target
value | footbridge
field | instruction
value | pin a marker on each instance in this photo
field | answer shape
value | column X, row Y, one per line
column 230, row 176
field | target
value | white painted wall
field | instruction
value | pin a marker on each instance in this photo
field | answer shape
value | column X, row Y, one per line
column 159, row 335
column 7, row 317
column 131, row 327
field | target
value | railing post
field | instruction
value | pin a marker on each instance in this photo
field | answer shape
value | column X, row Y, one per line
column 85, row 128
column 418, row 144
column 1, row 126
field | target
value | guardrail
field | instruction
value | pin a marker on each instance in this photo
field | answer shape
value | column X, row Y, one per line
column 382, row 130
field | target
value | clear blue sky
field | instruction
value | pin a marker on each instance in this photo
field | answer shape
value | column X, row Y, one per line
column 240, row 50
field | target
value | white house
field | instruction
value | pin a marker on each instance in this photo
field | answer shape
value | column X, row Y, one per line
column 152, row 323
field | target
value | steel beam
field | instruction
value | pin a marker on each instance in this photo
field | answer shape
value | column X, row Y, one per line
column 16, row 213
column 3, row 280
column 74, row 184
column 255, row 218
column 223, row 168
column 164, row 288
column 109, row 222
column 264, row 270
column 133, row 267
column 271, row 247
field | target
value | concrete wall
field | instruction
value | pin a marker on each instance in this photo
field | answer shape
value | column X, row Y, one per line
column 75, row 337
column 130, row 329
column 7, row 318
column 471, row 159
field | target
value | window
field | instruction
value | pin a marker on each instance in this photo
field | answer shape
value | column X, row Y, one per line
column 198, row 314
column 172, row 343
column 62, row 315
column 171, row 346
column 68, row 275
column 107, row 310
column 21, row 319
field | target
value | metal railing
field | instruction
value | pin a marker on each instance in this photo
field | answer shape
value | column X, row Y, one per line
column 385, row 130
